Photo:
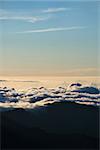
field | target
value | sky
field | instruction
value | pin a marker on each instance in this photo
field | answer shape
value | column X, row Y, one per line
column 49, row 38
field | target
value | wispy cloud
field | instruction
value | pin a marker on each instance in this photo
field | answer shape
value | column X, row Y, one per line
column 54, row 10
column 19, row 16
column 54, row 29
column 25, row 18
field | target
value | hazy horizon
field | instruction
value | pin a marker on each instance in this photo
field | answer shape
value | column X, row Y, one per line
column 27, row 82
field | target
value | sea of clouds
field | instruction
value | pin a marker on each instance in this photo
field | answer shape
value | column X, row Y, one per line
column 41, row 97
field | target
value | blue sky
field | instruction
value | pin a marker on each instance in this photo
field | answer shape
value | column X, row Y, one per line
column 48, row 38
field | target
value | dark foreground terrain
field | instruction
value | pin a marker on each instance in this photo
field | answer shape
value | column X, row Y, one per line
column 61, row 125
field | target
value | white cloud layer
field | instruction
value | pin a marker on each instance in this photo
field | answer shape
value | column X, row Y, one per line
column 35, row 98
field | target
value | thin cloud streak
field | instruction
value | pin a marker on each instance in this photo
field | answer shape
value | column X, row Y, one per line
column 54, row 10
column 21, row 18
column 54, row 29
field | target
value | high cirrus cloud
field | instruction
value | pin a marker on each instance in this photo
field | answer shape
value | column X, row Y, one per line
column 54, row 29
column 24, row 18
column 54, row 10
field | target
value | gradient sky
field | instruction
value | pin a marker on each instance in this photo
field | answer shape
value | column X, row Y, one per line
column 48, row 38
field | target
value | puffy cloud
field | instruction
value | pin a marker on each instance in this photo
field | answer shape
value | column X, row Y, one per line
column 42, row 97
